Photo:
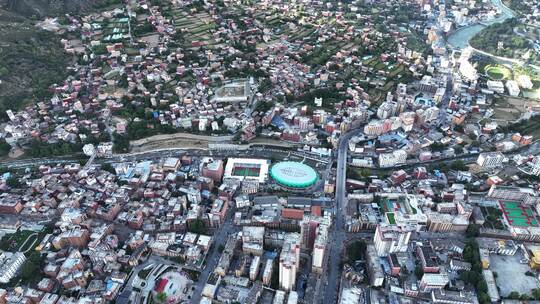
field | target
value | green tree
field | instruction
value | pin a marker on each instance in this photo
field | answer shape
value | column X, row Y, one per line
column 536, row 293
column 4, row 148
column 31, row 269
column 472, row 231
column 197, row 227
column 13, row 182
column 458, row 165
column 418, row 271
column 108, row 167
column 437, row 146
column 514, row 295
column 161, row 297
column 356, row 250
column 121, row 144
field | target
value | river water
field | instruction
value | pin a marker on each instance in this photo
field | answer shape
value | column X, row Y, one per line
column 460, row 38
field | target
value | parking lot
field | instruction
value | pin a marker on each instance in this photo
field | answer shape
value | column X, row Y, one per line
column 511, row 274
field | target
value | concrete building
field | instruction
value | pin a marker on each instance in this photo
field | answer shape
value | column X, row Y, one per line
column 10, row 264
column 319, row 248
column 512, row 87
column 397, row 157
column 428, row 259
column 391, row 239
column 254, row 268
column 289, row 261
column 493, row 292
column 351, row 295
column 213, row 168
column 433, row 281
column 375, row 270
column 253, row 240
column 453, row 297
column 490, row 160
column 267, row 272
column 308, row 230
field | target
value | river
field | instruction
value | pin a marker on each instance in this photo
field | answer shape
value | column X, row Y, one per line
column 460, row 38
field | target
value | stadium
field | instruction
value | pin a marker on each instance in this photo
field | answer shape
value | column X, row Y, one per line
column 247, row 169
column 293, row 175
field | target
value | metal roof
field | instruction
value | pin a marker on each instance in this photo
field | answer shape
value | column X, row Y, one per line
column 293, row 174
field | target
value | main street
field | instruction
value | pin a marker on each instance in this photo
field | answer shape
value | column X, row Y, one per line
column 220, row 238
column 338, row 234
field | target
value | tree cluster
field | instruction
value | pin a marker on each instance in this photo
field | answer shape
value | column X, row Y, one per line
column 474, row 277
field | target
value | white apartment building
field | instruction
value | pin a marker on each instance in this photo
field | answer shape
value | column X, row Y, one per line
column 319, row 248
column 289, row 261
column 10, row 264
column 490, row 160
column 392, row 159
column 253, row 240
column 391, row 239
column 512, row 87
column 433, row 281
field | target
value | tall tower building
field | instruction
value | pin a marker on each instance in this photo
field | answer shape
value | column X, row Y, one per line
column 289, row 261
column 391, row 239
column 320, row 244
column 308, row 232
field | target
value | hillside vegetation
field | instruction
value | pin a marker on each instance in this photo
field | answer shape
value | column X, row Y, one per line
column 42, row 8
column 30, row 61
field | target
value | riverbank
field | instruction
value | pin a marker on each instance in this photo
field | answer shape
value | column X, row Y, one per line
column 459, row 39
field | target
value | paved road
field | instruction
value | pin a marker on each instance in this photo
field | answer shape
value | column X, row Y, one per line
column 443, row 106
column 338, row 233
column 220, row 238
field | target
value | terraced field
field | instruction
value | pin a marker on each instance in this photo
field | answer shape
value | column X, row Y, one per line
column 195, row 27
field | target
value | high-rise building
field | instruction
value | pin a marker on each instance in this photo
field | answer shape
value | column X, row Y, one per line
column 319, row 252
column 374, row 268
column 308, row 231
column 267, row 272
column 289, row 261
column 10, row 264
column 391, row 239
column 319, row 246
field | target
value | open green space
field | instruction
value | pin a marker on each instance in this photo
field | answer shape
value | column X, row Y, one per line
column 500, row 39
column 25, row 241
column 498, row 72
column 31, row 242
column 493, row 217
column 13, row 242
column 391, row 218
column 528, row 127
